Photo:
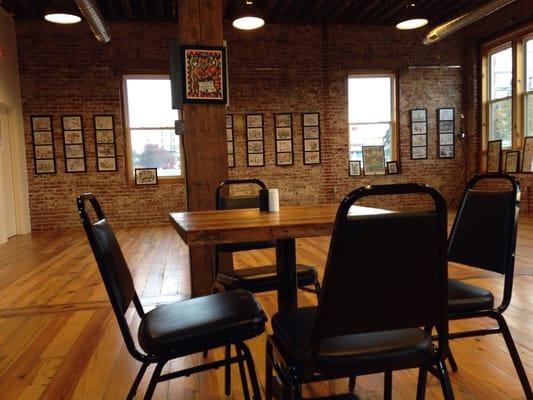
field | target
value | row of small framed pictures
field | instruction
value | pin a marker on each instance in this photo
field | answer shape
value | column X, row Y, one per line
column 419, row 131
column 73, row 143
column 255, row 148
column 511, row 158
column 374, row 163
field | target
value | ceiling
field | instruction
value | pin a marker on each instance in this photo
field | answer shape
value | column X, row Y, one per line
column 359, row 12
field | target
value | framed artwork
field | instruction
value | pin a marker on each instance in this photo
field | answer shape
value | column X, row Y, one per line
column 419, row 133
column 392, row 168
column 374, row 160
column 527, row 154
column 203, row 74
column 230, row 143
column 494, row 151
column 283, row 139
column 106, row 148
column 43, row 144
column 74, row 148
column 511, row 161
column 354, row 168
column 446, row 132
column 255, row 142
column 146, row 176
column 311, row 137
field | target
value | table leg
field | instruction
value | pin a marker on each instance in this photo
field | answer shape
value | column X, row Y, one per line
column 201, row 260
column 286, row 268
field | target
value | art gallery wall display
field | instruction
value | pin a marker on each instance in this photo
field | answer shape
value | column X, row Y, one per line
column 354, row 167
column 43, row 144
column 255, row 140
column 73, row 143
column 230, row 141
column 527, row 155
column 446, row 132
column 106, row 147
column 311, row 137
column 512, row 161
column 283, row 139
column 419, row 133
column 374, row 160
column 494, row 153
column 146, row 176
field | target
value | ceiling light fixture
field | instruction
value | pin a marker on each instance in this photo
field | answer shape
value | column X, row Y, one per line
column 248, row 16
column 62, row 18
column 412, row 17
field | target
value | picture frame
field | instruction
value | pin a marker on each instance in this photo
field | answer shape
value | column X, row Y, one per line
column 43, row 144
column 105, row 142
column 419, row 153
column 203, row 74
column 311, row 157
column 527, row 155
column 512, row 161
column 374, row 160
column 255, row 140
column 311, row 138
column 354, row 168
column 392, row 168
column 146, row 176
column 446, row 132
column 310, row 119
column 283, row 139
column 106, row 164
column 419, row 133
column 418, row 115
column 73, row 143
column 494, row 151
column 230, row 141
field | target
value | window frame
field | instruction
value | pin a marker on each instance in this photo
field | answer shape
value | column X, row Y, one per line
column 394, row 108
column 130, row 173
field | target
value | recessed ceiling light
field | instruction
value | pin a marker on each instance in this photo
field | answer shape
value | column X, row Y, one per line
column 62, row 18
column 411, row 17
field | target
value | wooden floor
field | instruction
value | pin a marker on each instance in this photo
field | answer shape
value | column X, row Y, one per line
column 59, row 339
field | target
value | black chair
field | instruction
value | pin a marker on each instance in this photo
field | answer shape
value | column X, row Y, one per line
column 483, row 235
column 384, row 290
column 255, row 279
column 172, row 330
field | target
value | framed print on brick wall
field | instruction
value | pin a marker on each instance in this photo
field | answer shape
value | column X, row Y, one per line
column 283, row 139
column 106, row 148
column 255, row 143
column 311, row 138
column 419, row 133
column 43, row 144
column 73, row 143
column 230, row 141
column 446, row 132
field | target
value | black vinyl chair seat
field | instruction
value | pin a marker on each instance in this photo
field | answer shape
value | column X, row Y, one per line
column 371, row 351
column 464, row 297
column 199, row 323
column 264, row 278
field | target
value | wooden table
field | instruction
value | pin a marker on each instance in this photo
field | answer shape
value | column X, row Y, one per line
column 203, row 229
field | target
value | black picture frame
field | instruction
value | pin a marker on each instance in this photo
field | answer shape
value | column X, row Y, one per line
column 515, row 162
column 494, row 157
column 73, row 143
column 527, row 156
column 311, row 138
column 393, row 168
column 446, row 132
column 354, row 168
column 230, row 141
column 419, row 133
column 105, row 142
column 283, row 139
column 145, row 176
column 255, row 140
column 44, row 156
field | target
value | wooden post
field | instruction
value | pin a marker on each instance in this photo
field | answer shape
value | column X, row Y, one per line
column 204, row 139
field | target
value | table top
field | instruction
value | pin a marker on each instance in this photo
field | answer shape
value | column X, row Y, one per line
column 202, row 228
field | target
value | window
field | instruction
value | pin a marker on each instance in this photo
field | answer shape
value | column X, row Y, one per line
column 371, row 114
column 528, row 88
column 500, row 95
column 150, row 125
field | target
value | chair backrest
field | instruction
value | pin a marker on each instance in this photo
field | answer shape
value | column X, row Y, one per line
column 244, row 201
column 112, row 265
column 385, row 271
column 483, row 234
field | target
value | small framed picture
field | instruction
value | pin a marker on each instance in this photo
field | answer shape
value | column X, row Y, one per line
column 254, row 120
column 229, row 134
column 45, row 166
column 311, row 145
column 41, row 123
column 229, row 121
column 42, row 152
column 312, row 157
column 256, row 160
column 230, row 144
column 103, row 122
column 418, row 128
column 392, row 168
column 42, row 137
column 418, row 115
column 283, row 133
column 231, row 160
column 146, row 176
column 511, row 161
column 419, row 153
column 446, row 114
column 354, row 168
column 445, row 151
column 254, row 133
column 72, row 122
column 284, row 158
column 311, row 132
column 374, row 160
column 75, row 164
column 445, row 126
column 282, row 120
column 494, row 151
column 284, row 146
column 105, row 136
column 310, row 119
column 419, row 140
column 527, row 154
column 73, row 137
column 106, row 164
column 255, row 146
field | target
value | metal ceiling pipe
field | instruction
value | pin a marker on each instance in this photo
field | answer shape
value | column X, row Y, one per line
column 449, row 27
column 94, row 18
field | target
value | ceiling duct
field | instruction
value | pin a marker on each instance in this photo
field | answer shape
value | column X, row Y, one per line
column 460, row 22
column 95, row 20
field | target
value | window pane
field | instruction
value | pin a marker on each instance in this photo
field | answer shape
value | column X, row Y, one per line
column 500, row 121
column 528, row 129
column 369, row 135
column 501, row 74
column 529, row 65
column 369, row 99
column 150, row 103
column 156, row 149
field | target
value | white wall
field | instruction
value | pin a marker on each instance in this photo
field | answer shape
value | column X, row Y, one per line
column 10, row 99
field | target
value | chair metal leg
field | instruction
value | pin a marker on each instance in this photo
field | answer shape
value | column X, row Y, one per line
column 227, row 370
column 351, row 383
column 137, row 380
column 251, row 371
column 445, row 381
column 451, row 360
column 268, row 370
column 153, row 381
column 515, row 356
column 421, row 386
column 387, row 392
column 242, row 372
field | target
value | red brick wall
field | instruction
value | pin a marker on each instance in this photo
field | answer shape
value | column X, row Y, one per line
column 277, row 69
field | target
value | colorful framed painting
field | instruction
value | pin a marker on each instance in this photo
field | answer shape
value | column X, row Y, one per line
column 494, row 153
column 374, row 160
column 203, row 74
